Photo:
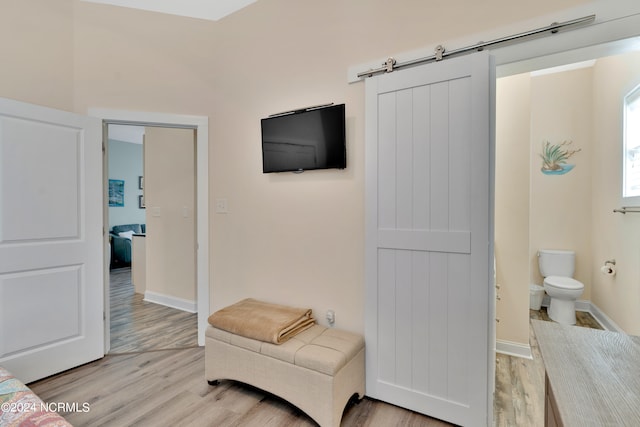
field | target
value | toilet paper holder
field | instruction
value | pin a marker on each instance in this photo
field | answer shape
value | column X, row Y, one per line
column 609, row 267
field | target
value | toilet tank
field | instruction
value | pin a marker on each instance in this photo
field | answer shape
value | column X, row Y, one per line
column 556, row 262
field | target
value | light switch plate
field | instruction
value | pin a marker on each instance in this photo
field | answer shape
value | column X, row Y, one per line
column 222, row 206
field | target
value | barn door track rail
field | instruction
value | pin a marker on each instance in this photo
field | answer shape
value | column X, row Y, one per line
column 441, row 53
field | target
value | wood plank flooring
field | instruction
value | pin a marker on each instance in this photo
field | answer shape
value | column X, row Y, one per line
column 138, row 325
column 167, row 388
column 519, row 395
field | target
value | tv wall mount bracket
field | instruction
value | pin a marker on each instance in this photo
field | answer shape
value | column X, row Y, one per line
column 301, row 110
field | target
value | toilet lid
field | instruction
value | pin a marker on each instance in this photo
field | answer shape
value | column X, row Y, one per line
column 563, row 282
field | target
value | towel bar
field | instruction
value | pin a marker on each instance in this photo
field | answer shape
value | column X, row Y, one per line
column 628, row 209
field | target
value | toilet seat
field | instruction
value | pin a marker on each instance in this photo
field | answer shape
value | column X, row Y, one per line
column 563, row 283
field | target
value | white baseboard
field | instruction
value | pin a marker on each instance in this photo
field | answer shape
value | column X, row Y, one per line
column 522, row 350
column 514, row 349
column 169, row 301
column 584, row 305
column 603, row 319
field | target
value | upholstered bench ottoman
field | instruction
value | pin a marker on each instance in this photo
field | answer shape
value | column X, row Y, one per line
column 317, row 370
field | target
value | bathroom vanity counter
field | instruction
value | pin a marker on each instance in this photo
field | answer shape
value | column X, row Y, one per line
column 592, row 376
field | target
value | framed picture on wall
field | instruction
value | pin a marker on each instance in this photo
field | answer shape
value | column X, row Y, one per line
column 141, row 182
column 141, row 202
column 116, row 193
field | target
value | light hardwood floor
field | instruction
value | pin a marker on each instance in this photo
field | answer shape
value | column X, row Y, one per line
column 519, row 394
column 167, row 388
column 138, row 325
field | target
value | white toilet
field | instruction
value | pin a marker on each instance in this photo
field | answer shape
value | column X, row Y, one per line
column 557, row 268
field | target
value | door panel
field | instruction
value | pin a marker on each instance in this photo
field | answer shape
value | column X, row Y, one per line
column 428, row 239
column 56, row 287
column 51, row 267
column 41, row 182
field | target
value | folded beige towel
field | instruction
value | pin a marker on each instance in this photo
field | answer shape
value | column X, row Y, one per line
column 262, row 320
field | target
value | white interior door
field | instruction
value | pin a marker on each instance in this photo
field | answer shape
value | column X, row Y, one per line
column 51, row 254
column 430, row 239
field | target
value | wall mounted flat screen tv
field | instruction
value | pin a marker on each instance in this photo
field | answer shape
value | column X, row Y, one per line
column 301, row 140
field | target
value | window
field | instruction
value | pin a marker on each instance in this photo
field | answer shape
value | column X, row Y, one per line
column 631, row 163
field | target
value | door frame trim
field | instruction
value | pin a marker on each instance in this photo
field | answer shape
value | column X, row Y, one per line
column 201, row 125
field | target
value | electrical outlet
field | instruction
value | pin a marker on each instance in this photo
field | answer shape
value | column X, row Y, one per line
column 331, row 317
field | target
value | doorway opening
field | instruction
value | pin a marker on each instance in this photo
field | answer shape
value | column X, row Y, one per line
column 199, row 125
column 573, row 101
column 152, row 237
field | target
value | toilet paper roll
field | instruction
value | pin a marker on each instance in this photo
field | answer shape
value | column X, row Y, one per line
column 607, row 270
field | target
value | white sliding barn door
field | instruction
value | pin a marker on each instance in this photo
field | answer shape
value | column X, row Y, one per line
column 51, row 265
column 430, row 239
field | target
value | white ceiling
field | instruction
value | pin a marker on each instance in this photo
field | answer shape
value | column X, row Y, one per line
column 202, row 9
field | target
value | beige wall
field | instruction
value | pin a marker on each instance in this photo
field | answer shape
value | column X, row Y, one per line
column 615, row 236
column 300, row 238
column 513, row 118
column 169, row 170
column 560, row 209
column 536, row 211
column 36, row 47
column 297, row 239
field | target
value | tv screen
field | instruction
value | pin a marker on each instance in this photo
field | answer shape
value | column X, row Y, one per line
column 304, row 140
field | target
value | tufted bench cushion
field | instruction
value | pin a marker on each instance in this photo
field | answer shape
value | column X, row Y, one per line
column 318, row 348
column 317, row 370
